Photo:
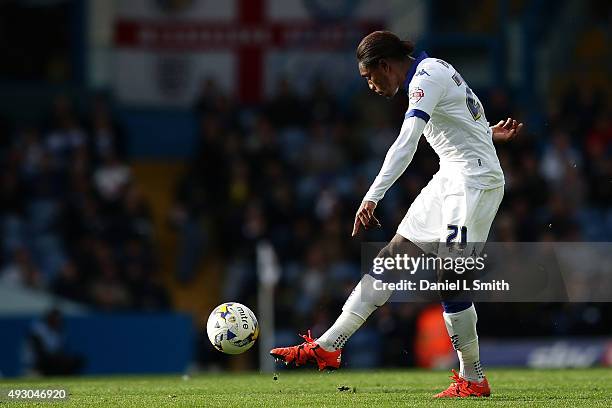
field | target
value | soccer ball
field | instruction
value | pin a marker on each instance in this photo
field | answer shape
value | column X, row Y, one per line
column 232, row 328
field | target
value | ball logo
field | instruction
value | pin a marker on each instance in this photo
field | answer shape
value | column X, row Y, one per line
column 243, row 318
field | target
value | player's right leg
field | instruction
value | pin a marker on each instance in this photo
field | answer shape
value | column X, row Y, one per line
column 474, row 210
column 445, row 203
column 326, row 351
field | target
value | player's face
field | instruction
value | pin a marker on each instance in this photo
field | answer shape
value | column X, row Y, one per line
column 379, row 79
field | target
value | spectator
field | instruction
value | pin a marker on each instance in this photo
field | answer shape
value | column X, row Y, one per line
column 47, row 347
column 558, row 158
column 22, row 271
column 111, row 178
column 68, row 194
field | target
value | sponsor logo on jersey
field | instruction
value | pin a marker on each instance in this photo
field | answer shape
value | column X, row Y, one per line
column 422, row 72
column 416, row 94
column 457, row 78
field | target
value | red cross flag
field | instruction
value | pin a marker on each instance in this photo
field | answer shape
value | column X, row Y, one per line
column 164, row 49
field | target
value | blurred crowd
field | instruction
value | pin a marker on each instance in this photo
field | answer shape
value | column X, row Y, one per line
column 291, row 172
column 294, row 170
column 72, row 221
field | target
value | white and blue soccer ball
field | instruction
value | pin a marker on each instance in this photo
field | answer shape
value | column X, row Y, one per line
column 232, row 328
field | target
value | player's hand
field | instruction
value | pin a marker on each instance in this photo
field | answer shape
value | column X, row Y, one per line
column 365, row 216
column 506, row 130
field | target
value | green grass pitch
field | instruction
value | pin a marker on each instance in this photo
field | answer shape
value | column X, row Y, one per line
column 306, row 388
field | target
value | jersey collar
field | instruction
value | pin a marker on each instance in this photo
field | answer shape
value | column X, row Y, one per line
column 413, row 68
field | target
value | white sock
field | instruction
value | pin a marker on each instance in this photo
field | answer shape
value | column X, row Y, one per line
column 358, row 307
column 461, row 327
column 469, row 362
column 336, row 336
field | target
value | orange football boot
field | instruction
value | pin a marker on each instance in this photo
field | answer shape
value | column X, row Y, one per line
column 461, row 388
column 308, row 352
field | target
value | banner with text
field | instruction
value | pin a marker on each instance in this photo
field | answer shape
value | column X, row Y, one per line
column 165, row 50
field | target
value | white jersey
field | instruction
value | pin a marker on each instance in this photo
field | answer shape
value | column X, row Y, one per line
column 451, row 117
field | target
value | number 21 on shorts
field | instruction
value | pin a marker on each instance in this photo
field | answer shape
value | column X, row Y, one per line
column 456, row 231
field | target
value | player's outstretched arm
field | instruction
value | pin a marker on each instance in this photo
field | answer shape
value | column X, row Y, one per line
column 506, row 130
column 396, row 161
column 426, row 91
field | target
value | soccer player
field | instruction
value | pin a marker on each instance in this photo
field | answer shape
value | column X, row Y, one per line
column 463, row 196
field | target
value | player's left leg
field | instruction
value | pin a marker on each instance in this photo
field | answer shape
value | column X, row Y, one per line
column 475, row 210
column 326, row 351
column 364, row 299
column 420, row 225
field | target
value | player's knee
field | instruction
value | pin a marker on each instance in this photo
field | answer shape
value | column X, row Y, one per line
column 399, row 246
column 386, row 252
column 389, row 251
column 456, row 299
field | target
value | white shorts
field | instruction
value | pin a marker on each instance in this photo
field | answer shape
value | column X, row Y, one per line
column 447, row 210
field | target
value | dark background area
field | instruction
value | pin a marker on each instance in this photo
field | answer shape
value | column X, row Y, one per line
column 81, row 217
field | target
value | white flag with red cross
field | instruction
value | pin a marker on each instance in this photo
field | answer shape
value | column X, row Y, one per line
column 165, row 49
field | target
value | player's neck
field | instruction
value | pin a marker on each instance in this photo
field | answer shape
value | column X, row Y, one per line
column 404, row 68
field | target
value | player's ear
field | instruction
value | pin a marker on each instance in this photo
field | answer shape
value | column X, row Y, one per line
column 384, row 64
